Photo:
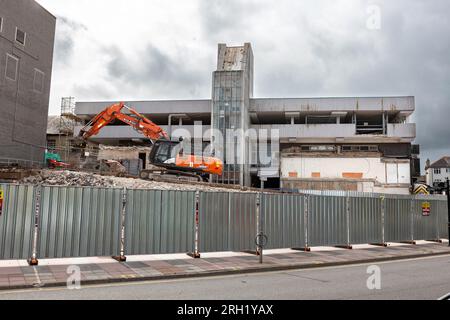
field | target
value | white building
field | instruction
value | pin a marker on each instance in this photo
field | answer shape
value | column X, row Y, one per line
column 438, row 172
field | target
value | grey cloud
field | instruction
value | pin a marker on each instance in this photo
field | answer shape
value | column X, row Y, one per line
column 156, row 71
column 222, row 17
column 92, row 91
column 66, row 30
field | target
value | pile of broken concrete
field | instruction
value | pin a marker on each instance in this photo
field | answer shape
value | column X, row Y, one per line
column 68, row 178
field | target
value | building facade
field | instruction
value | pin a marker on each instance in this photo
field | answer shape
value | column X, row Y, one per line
column 351, row 143
column 27, row 33
column 437, row 173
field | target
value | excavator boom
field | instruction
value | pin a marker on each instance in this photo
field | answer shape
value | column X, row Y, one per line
column 139, row 122
column 165, row 153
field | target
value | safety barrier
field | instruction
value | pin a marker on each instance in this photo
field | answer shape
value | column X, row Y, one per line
column 54, row 222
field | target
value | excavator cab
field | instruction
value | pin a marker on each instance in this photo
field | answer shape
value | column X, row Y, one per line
column 164, row 152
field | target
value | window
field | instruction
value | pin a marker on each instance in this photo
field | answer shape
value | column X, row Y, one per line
column 359, row 148
column 38, row 83
column 21, row 36
column 318, row 148
column 12, row 64
column 437, row 171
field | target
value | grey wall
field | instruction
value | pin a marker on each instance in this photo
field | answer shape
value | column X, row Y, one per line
column 23, row 109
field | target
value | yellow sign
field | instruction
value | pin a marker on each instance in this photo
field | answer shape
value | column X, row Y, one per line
column 426, row 209
column 421, row 189
column 1, row 201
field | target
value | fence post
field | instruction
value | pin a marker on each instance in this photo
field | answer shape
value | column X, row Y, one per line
column 347, row 218
column 260, row 237
column 383, row 213
column 306, row 220
column 258, row 223
column 196, row 253
column 411, row 213
column 33, row 261
column 122, row 257
column 437, row 214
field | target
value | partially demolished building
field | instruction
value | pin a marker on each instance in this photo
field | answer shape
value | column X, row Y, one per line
column 349, row 143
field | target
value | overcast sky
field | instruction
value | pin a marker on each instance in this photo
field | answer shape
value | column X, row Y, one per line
column 167, row 49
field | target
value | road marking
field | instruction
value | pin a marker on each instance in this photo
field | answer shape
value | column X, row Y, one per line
column 212, row 277
column 445, row 297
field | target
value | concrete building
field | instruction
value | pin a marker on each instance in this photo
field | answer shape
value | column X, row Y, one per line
column 27, row 33
column 438, row 172
column 355, row 143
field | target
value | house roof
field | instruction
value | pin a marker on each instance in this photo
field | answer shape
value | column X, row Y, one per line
column 444, row 162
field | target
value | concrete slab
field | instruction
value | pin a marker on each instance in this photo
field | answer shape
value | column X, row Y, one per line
column 152, row 257
column 326, row 249
column 75, row 261
column 224, row 254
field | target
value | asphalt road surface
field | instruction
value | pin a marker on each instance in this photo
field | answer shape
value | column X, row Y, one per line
column 425, row 278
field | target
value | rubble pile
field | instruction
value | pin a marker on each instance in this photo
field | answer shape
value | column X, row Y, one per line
column 71, row 178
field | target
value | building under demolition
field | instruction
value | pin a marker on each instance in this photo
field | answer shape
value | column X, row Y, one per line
column 357, row 143
column 27, row 33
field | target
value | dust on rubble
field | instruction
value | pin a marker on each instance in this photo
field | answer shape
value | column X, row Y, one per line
column 84, row 179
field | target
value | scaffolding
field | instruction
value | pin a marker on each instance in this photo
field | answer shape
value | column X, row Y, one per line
column 67, row 122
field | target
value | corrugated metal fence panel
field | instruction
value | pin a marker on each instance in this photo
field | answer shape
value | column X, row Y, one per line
column 242, row 221
column 365, row 220
column 214, row 221
column 143, row 222
column 17, row 222
column 327, row 221
column 177, row 221
column 294, row 227
column 272, row 224
column 397, row 220
column 443, row 220
column 159, row 222
column 79, row 222
column 425, row 227
column 283, row 220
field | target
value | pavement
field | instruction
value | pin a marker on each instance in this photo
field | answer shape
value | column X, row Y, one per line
column 411, row 279
column 16, row 274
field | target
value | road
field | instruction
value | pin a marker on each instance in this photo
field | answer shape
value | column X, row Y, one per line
column 425, row 278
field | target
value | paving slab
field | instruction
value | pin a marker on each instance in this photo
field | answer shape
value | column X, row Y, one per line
column 99, row 270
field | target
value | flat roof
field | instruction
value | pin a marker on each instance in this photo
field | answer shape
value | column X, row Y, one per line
column 261, row 106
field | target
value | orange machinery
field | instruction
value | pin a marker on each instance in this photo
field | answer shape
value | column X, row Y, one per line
column 165, row 154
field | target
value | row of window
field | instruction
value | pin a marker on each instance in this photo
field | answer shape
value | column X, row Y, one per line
column 12, row 69
column 348, row 148
column 20, row 37
column 438, row 170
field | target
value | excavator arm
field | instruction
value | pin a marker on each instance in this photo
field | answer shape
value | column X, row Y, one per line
column 163, row 150
column 136, row 120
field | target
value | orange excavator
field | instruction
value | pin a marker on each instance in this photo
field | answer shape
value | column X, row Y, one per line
column 167, row 155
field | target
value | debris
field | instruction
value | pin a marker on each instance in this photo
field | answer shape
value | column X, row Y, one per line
column 72, row 178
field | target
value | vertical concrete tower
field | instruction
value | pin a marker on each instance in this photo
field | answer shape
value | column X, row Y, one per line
column 232, row 90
